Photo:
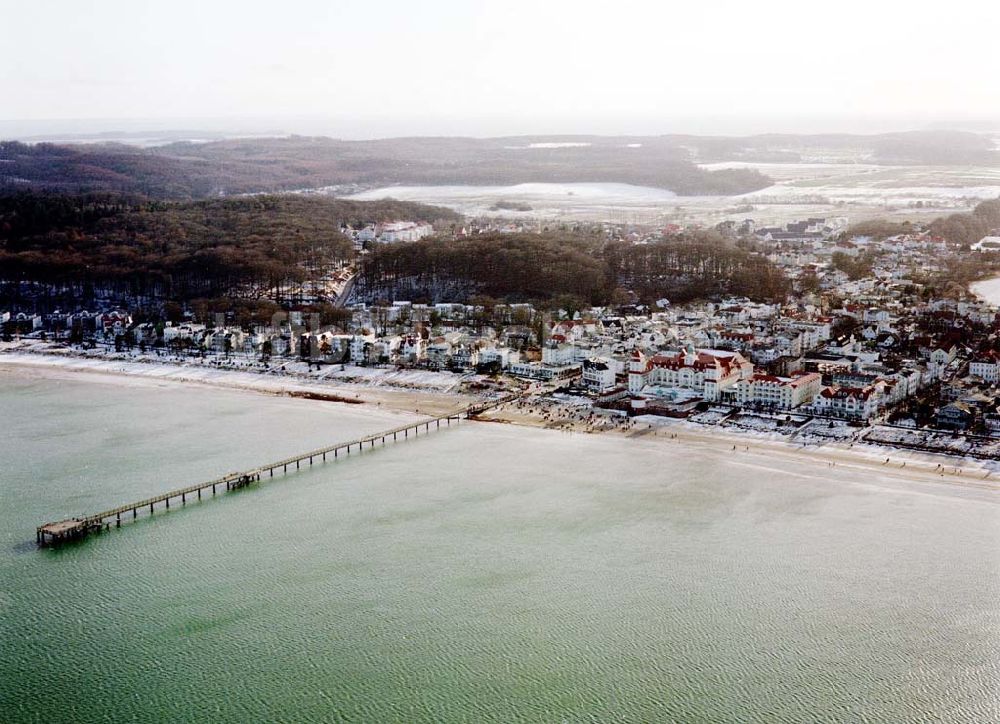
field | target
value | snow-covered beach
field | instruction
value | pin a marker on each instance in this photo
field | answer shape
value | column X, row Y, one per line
column 408, row 391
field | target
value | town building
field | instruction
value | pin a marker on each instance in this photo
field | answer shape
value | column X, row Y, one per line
column 708, row 372
column 784, row 393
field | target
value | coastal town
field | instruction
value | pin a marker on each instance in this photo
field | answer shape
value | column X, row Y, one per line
column 865, row 349
column 498, row 362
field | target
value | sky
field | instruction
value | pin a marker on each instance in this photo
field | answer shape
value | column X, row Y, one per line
column 479, row 67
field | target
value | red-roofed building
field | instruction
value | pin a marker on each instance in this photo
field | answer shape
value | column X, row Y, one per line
column 709, row 372
column 784, row 393
column 855, row 403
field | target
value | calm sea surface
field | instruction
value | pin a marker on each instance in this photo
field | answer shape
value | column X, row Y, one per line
column 988, row 290
column 485, row 573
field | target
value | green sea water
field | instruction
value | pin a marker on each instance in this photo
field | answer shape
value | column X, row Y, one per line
column 480, row 574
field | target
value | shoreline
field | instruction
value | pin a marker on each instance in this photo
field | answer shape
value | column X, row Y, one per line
column 903, row 464
column 906, row 466
column 154, row 373
column 987, row 290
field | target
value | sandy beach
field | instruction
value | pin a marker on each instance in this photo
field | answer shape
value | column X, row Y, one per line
column 417, row 401
column 903, row 466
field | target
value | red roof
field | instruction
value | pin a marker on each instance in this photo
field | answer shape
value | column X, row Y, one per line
column 796, row 380
column 702, row 361
column 841, row 393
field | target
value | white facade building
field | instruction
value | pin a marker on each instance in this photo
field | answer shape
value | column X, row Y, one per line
column 784, row 393
column 986, row 367
column 853, row 403
column 598, row 374
column 708, row 372
column 397, row 231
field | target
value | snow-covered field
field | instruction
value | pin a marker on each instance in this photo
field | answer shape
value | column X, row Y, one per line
column 546, row 199
column 711, row 417
column 935, row 442
column 795, row 171
column 858, row 191
column 765, row 423
column 828, row 430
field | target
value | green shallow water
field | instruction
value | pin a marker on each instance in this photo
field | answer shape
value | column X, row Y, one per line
column 486, row 573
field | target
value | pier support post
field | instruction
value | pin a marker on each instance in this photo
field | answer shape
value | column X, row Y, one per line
column 183, row 499
column 168, row 503
column 118, row 520
column 199, row 493
column 135, row 514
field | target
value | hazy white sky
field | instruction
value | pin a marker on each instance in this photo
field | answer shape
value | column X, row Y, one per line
column 485, row 67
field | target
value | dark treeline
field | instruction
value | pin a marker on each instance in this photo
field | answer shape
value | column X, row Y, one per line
column 542, row 268
column 879, row 229
column 855, row 267
column 515, row 267
column 255, row 246
column 102, row 168
column 693, row 266
column 970, row 227
column 963, row 228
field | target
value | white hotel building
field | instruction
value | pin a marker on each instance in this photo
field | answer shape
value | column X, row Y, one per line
column 709, row 372
column 784, row 393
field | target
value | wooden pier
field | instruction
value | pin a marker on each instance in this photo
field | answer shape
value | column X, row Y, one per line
column 82, row 526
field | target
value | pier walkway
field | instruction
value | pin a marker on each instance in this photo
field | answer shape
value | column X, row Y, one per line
column 82, row 526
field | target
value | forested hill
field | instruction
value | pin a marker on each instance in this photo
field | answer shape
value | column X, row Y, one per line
column 970, row 227
column 183, row 250
column 191, row 171
column 964, row 228
column 521, row 267
column 225, row 167
column 258, row 247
